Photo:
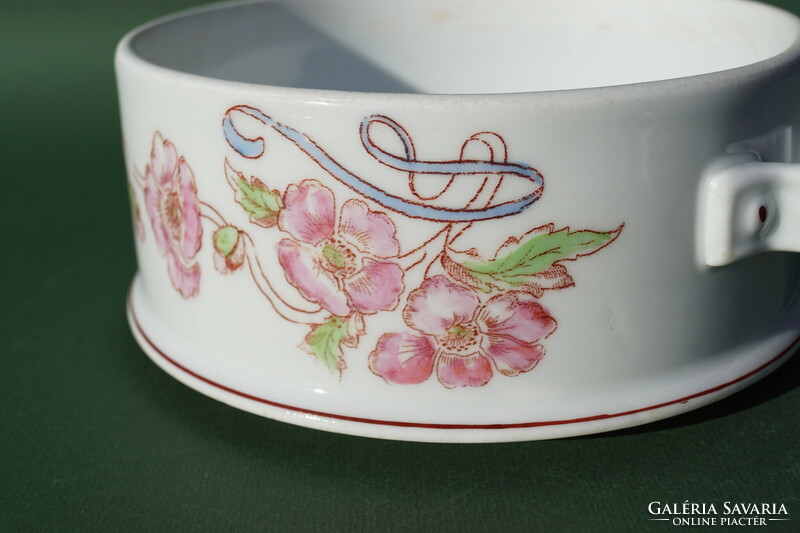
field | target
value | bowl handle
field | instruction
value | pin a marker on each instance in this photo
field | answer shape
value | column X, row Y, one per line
column 749, row 203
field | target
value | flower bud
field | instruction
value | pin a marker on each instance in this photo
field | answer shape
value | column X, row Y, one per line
column 228, row 249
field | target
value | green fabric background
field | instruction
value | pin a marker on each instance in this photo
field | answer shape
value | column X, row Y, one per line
column 96, row 438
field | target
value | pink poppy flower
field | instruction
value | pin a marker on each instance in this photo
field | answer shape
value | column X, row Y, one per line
column 462, row 339
column 340, row 264
column 171, row 199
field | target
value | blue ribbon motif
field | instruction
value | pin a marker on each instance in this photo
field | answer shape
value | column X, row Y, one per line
column 254, row 148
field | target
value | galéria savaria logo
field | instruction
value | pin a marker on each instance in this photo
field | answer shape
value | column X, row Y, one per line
column 727, row 513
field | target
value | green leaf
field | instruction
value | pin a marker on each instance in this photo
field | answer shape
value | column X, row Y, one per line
column 534, row 256
column 325, row 342
column 258, row 201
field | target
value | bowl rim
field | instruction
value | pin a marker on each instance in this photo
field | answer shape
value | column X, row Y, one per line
column 778, row 66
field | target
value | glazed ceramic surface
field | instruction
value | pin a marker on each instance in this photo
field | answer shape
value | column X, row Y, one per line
column 465, row 221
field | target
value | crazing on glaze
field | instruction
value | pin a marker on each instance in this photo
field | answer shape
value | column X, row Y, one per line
column 471, row 316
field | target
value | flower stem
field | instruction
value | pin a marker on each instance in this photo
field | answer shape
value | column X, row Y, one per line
column 280, row 305
column 209, row 212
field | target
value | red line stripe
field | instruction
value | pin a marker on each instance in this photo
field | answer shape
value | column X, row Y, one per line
column 451, row 426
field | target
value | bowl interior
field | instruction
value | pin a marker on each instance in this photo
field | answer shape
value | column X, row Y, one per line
column 466, row 46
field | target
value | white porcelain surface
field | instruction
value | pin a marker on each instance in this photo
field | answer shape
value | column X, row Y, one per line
column 648, row 329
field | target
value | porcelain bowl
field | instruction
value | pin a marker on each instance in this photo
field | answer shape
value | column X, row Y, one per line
column 465, row 221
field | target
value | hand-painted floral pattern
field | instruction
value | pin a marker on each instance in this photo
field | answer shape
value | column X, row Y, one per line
column 171, row 200
column 462, row 339
column 471, row 318
column 228, row 250
column 342, row 265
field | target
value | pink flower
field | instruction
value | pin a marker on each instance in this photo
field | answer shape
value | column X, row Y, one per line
column 171, row 199
column 462, row 338
column 341, row 265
